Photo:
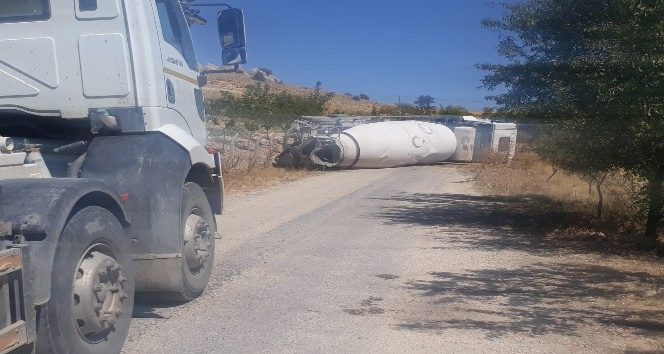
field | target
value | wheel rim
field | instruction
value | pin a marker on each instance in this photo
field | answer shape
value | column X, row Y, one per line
column 197, row 243
column 99, row 293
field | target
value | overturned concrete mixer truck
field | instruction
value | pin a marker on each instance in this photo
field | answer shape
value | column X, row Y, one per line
column 379, row 142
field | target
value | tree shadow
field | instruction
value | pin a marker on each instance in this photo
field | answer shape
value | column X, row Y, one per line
column 474, row 210
column 487, row 222
column 539, row 299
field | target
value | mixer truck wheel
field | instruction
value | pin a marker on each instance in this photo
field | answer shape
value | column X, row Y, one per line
column 199, row 229
column 92, row 288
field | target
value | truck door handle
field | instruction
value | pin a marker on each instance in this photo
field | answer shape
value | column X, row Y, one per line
column 170, row 91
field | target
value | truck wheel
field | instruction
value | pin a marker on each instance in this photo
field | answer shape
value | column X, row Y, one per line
column 199, row 228
column 92, row 287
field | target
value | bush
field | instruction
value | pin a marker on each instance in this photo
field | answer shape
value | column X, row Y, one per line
column 267, row 71
column 260, row 108
column 259, row 76
column 407, row 109
column 453, row 110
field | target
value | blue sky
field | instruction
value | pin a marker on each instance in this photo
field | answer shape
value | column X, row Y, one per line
column 384, row 49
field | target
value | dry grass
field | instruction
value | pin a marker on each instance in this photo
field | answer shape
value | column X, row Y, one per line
column 247, row 161
column 239, row 181
column 563, row 209
column 528, row 174
column 572, row 199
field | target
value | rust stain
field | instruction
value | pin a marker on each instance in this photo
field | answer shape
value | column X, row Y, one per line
column 12, row 336
column 10, row 261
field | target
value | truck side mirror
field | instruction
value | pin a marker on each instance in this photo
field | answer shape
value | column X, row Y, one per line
column 234, row 56
column 232, row 37
column 231, row 28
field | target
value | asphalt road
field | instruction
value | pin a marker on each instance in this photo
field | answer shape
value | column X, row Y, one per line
column 406, row 260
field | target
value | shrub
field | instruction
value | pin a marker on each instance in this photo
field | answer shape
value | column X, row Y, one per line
column 261, row 108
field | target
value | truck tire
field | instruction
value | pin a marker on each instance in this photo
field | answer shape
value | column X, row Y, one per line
column 92, row 288
column 198, row 235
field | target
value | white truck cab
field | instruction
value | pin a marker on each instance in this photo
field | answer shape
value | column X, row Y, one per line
column 106, row 185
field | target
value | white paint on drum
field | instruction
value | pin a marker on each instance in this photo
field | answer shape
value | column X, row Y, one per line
column 398, row 143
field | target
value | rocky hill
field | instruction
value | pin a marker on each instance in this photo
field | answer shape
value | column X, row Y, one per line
column 235, row 83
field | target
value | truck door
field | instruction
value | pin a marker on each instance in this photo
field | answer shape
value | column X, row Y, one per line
column 183, row 92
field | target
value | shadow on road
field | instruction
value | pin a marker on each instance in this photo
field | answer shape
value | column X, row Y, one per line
column 486, row 222
column 473, row 210
column 552, row 297
column 145, row 306
column 540, row 299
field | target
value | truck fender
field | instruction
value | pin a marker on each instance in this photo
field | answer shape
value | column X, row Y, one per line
column 151, row 169
column 38, row 210
column 196, row 151
column 211, row 181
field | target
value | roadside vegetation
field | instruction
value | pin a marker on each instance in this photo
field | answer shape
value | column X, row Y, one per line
column 248, row 129
column 565, row 204
column 593, row 72
column 261, row 108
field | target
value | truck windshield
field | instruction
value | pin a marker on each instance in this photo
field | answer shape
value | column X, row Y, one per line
column 23, row 10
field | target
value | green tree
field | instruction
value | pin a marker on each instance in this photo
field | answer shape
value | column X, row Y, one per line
column 488, row 112
column 425, row 103
column 566, row 146
column 316, row 100
column 453, row 110
column 596, row 69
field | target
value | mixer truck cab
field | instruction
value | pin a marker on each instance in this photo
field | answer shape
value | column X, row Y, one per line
column 106, row 185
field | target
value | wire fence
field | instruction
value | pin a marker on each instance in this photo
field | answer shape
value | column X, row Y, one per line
column 244, row 150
